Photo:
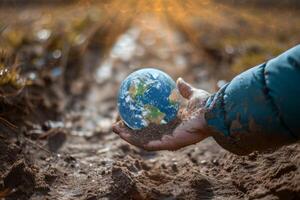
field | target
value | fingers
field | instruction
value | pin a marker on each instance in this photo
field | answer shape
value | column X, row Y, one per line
column 185, row 89
column 185, row 134
column 125, row 133
column 120, row 129
column 164, row 144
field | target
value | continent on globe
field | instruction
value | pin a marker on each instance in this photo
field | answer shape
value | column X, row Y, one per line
column 148, row 96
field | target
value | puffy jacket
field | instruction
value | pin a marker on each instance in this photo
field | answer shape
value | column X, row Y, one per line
column 260, row 108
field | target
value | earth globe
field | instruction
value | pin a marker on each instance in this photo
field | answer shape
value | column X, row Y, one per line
column 148, row 96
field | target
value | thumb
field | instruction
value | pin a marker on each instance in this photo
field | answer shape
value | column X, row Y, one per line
column 185, row 89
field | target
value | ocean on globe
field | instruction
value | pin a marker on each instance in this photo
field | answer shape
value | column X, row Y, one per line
column 148, row 96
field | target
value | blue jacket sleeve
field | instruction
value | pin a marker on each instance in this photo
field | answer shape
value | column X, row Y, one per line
column 260, row 108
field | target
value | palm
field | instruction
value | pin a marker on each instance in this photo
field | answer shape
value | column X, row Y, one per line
column 190, row 131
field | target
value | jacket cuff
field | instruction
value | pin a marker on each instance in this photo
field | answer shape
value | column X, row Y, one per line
column 215, row 112
column 215, row 118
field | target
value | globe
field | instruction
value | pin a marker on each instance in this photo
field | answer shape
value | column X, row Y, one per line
column 148, row 96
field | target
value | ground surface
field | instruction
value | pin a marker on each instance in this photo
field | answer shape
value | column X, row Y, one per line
column 62, row 146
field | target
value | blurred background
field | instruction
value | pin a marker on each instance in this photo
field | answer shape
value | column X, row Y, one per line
column 80, row 48
column 62, row 61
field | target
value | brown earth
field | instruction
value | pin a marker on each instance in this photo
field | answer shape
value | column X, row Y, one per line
column 56, row 140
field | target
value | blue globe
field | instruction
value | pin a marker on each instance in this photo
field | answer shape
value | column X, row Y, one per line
column 148, row 96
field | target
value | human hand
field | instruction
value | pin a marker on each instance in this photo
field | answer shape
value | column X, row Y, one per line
column 191, row 130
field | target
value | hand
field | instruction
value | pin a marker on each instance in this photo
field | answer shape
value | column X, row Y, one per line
column 192, row 130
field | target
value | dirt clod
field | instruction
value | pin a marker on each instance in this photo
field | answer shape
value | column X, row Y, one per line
column 21, row 178
column 56, row 139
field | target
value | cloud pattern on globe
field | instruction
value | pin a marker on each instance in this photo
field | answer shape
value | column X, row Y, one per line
column 148, row 96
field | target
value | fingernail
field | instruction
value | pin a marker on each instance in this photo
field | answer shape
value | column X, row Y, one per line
column 179, row 80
